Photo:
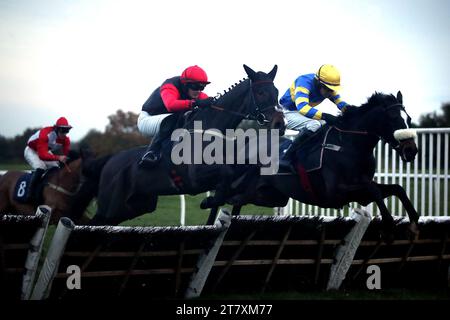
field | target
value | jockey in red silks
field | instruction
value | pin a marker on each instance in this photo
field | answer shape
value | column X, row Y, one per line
column 46, row 148
column 174, row 97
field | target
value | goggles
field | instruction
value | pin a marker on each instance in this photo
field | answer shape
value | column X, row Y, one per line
column 63, row 129
column 196, row 86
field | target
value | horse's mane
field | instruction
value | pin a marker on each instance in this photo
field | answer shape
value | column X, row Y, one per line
column 230, row 95
column 376, row 100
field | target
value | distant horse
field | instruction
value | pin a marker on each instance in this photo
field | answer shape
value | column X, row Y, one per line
column 126, row 191
column 337, row 165
column 56, row 189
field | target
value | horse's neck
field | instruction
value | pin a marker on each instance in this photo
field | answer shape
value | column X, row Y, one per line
column 222, row 118
column 231, row 108
column 359, row 136
column 68, row 175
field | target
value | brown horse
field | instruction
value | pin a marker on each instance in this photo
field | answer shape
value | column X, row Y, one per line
column 59, row 190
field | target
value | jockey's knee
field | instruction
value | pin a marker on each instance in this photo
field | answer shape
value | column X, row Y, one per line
column 313, row 125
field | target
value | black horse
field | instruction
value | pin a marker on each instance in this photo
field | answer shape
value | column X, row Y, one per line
column 126, row 191
column 337, row 165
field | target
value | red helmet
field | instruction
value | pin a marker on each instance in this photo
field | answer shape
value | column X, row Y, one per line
column 62, row 123
column 194, row 74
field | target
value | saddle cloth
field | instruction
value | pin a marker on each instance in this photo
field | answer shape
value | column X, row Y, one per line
column 21, row 188
column 23, row 184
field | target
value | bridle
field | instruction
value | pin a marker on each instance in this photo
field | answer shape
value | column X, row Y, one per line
column 257, row 113
column 394, row 143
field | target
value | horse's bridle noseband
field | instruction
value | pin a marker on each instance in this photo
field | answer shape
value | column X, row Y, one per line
column 395, row 144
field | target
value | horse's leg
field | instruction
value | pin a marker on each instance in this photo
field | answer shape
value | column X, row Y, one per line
column 368, row 193
column 222, row 190
column 236, row 210
column 212, row 216
column 398, row 191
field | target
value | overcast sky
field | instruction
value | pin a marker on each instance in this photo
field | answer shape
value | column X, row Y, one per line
column 85, row 59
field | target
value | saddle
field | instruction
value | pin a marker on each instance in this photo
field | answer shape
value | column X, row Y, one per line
column 23, row 184
column 310, row 154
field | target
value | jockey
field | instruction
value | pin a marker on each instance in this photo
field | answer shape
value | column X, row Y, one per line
column 175, row 96
column 306, row 92
column 46, row 148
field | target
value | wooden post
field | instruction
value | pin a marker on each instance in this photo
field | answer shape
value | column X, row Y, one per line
column 206, row 260
column 51, row 263
column 34, row 252
column 346, row 252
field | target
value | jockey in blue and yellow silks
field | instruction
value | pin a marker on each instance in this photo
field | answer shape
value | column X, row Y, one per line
column 304, row 94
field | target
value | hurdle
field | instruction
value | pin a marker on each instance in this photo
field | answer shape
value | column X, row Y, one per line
column 154, row 262
column 21, row 240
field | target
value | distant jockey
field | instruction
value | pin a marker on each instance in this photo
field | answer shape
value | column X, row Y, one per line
column 46, row 148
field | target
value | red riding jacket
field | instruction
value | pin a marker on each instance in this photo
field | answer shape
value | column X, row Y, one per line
column 46, row 140
column 170, row 97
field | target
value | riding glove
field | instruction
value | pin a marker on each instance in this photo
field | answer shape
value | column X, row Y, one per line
column 329, row 118
column 203, row 103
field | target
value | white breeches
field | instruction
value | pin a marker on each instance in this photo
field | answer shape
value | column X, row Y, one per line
column 35, row 162
column 297, row 121
column 149, row 125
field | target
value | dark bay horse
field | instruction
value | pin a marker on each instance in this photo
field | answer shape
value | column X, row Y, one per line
column 126, row 191
column 58, row 192
column 337, row 165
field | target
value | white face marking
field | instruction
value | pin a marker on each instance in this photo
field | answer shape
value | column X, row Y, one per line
column 405, row 117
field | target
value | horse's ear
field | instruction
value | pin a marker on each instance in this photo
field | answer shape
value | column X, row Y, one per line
column 399, row 97
column 251, row 74
column 273, row 73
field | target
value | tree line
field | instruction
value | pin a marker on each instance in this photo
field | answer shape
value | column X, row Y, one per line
column 121, row 133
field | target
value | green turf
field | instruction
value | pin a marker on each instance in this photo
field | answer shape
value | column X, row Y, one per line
column 167, row 212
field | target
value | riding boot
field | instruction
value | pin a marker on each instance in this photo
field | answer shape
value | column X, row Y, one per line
column 300, row 138
column 35, row 177
column 152, row 155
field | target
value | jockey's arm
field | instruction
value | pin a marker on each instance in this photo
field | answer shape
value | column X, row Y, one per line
column 66, row 146
column 172, row 101
column 337, row 100
column 303, row 106
column 42, row 148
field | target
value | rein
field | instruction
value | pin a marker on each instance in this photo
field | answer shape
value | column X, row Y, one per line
column 62, row 190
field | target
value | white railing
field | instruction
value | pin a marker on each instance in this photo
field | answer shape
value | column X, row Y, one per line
column 425, row 180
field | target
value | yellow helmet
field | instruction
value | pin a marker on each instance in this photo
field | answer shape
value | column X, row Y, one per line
column 329, row 76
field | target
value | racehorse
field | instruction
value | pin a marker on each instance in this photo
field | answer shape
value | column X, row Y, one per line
column 337, row 165
column 126, row 191
column 56, row 189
